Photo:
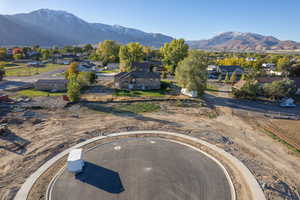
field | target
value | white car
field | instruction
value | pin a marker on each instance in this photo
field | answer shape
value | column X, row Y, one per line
column 287, row 103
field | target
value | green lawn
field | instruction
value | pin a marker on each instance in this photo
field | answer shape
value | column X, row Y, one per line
column 212, row 87
column 110, row 71
column 138, row 107
column 36, row 93
column 139, row 93
column 165, row 86
column 30, row 71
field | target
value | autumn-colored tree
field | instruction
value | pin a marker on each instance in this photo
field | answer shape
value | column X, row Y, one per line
column 2, row 53
column 130, row 53
column 72, row 70
column 283, row 64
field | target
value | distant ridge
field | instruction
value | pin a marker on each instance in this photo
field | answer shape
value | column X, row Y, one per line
column 244, row 42
column 51, row 27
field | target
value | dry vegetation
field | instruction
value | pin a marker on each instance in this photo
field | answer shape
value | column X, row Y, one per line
column 36, row 135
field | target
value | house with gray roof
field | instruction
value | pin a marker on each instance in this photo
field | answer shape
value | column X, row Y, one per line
column 140, row 78
column 224, row 69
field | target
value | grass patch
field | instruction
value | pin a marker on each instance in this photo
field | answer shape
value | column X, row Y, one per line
column 110, row 71
column 139, row 93
column 30, row 71
column 37, row 93
column 292, row 148
column 138, row 107
column 212, row 87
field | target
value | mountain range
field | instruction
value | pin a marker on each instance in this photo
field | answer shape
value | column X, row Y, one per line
column 51, row 27
column 243, row 42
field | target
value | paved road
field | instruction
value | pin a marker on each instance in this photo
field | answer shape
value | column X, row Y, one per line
column 15, row 82
column 222, row 98
column 144, row 169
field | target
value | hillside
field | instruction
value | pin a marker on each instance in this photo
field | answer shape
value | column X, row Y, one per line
column 49, row 27
column 244, row 42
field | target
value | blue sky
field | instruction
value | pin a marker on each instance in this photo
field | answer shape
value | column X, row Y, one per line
column 189, row 19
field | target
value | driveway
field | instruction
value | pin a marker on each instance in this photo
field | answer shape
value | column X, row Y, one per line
column 144, row 169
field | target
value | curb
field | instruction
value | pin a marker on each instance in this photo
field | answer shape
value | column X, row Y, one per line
column 253, row 186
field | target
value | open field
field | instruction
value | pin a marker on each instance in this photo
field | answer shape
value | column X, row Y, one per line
column 30, row 71
column 139, row 93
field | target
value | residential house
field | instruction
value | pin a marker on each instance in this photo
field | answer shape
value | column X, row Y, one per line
column 268, row 67
column 86, row 67
column 140, row 78
column 64, row 59
column 224, row 69
column 53, row 85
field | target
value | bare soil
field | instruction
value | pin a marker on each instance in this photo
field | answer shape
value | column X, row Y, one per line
column 36, row 135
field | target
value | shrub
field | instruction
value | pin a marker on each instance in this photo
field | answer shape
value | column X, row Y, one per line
column 250, row 90
column 73, row 88
column 86, row 78
column 233, row 77
column 227, row 80
column 280, row 89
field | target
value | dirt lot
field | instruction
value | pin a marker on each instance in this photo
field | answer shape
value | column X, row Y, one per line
column 37, row 134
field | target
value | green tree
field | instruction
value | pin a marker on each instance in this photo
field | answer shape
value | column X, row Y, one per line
column 249, row 90
column 2, row 72
column 227, row 79
column 174, row 52
column 45, row 54
column 280, row 89
column 88, row 48
column 133, row 52
column 18, row 56
column 74, row 87
column 191, row 72
column 243, row 77
column 108, row 51
column 86, row 78
column 295, row 70
column 233, row 77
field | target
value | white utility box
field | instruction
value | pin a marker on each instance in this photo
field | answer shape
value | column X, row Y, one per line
column 75, row 161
